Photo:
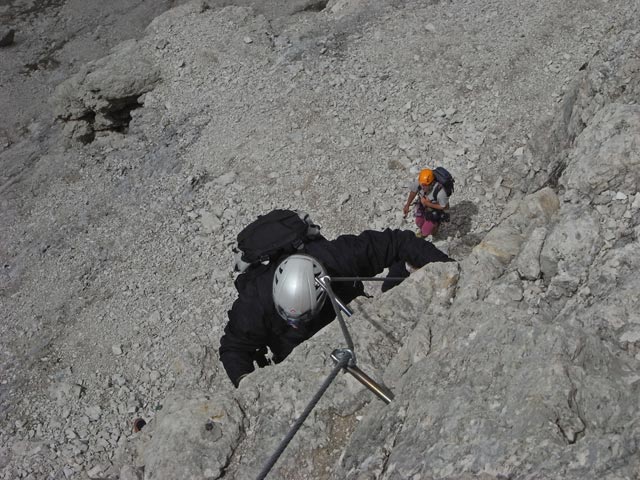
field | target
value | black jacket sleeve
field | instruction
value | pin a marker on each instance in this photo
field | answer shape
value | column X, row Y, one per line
column 369, row 253
column 239, row 344
column 250, row 326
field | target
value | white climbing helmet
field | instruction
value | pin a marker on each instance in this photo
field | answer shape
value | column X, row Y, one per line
column 296, row 294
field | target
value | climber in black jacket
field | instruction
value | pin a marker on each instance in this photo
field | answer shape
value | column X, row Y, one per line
column 269, row 314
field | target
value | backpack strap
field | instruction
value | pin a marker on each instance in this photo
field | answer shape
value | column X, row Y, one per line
column 436, row 191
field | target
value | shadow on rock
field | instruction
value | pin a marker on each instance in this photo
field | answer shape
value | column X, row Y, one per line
column 461, row 215
column 459, row 229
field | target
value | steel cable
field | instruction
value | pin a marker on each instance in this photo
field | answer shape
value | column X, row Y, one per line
column 346, row 359
column 296, row 426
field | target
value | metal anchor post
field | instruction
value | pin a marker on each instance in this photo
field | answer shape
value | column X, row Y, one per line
column 380, row 391
column 324, row 284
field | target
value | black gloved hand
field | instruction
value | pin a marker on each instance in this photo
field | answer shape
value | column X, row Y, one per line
column 260, row 357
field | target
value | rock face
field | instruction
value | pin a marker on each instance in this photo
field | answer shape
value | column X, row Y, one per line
column 509, row 376
column 102, row 95
column 520, row 360
column 203, row 424
column 538, row 389
column 606, row 78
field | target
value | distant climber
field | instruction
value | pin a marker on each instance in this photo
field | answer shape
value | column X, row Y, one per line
column 280, row 305
column 433, row 189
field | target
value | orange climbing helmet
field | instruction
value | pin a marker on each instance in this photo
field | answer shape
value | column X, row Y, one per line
column 426, row 177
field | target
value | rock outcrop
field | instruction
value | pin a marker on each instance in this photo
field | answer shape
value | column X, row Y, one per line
column 102, row 95
column 521, row 364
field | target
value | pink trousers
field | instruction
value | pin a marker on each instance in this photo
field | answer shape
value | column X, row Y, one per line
column 427, row 227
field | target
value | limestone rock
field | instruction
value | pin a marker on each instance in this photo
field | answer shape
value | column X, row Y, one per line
column 571, row 246
column 104, row 92
column 607, row 155
column 520, row 360
column 209, row 424
column 528, row 261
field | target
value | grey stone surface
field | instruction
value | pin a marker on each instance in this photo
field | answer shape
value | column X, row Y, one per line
column 193, row 436
column 528, row 261
column 520, row 360
column 609, row 153
column 517, row 411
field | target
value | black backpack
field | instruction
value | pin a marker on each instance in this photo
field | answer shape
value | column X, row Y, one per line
column 274, row 234
column 444, row 178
